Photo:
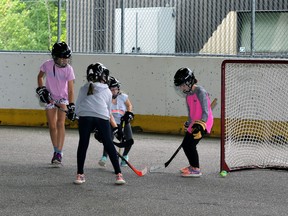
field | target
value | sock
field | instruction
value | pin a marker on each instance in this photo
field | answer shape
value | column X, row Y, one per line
column 58, row 151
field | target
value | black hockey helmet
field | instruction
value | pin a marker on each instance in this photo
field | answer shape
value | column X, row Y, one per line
column 113, row 82
column 61, row 50
column 184, row 76
column 97, row 72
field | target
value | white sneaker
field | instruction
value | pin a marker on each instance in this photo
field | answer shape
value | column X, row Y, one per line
column 80, row 179
column 119, row 179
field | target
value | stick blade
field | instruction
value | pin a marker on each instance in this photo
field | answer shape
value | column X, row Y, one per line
column 157, row 168
column 139, row 172
column 143, row 172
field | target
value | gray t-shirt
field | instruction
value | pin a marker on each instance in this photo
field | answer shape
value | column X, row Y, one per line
column 96, row 105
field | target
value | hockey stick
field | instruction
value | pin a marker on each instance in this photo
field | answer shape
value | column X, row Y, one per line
column 213, row 104
column 63, row 110
column 124, row 144
column 60, row 108
column 163, row 166
column 138, row 172
column 121, row 128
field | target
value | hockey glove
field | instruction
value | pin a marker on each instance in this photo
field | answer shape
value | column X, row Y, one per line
column 97, row 136
column 118, row 133
column 127, row 117
column 198, row 129
column 44, row 94
column 71, row 112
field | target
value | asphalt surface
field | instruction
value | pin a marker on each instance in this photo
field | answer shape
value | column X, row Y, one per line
column 29, row 186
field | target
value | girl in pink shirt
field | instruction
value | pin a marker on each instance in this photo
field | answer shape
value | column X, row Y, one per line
column 58, row 89
column 200, row 118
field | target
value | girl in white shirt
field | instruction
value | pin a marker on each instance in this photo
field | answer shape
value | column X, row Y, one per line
column 93, row 106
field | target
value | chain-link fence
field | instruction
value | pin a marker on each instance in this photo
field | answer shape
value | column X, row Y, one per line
column 181, row 27
column 175, row 27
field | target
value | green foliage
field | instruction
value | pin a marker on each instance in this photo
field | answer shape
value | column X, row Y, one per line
column 30, row 25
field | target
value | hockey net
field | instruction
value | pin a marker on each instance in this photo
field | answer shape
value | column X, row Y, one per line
column 254, row 114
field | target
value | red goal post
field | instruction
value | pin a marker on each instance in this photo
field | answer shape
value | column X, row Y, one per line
column 254, row 114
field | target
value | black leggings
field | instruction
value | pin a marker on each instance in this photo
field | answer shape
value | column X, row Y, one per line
column 86, row 126
column 189, row 146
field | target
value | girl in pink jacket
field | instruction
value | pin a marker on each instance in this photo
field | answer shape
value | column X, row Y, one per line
column 200, row 118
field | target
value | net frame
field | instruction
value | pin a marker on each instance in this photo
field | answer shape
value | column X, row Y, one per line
column 279, row 140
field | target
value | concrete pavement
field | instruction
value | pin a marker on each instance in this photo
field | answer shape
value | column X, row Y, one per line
column 29, row 186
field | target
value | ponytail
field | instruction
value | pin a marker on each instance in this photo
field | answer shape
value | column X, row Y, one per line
column 90, row 89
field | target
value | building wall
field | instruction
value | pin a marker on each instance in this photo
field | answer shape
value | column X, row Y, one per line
column 196, row 21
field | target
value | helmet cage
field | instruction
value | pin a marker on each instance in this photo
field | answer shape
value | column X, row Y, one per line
column 61, row 50
column 185, row 76
column 113, row 82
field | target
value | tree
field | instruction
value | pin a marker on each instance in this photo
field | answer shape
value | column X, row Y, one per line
column 29, row 25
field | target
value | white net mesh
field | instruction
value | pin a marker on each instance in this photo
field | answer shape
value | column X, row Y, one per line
column 256, row 115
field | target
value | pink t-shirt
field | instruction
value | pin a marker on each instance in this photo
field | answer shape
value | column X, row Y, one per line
column 196, row 112
column 57, row 79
